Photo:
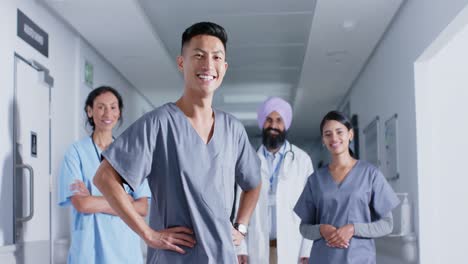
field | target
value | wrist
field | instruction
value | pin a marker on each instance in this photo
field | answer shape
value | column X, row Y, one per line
column 148, row 234
column 241, row 228
column 321, row 227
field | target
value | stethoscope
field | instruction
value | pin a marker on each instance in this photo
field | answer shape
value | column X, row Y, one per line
column 290, row 151
column 96, row 149
column 280, row 164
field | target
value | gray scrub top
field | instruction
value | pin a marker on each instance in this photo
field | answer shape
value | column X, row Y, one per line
column 362, row 197
column 192, row 183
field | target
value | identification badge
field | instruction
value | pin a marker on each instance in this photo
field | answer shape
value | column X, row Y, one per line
column 271, row 199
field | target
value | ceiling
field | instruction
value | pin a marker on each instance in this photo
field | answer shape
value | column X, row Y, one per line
column 308, row 52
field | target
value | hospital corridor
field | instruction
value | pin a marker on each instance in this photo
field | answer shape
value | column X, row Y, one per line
column 248, row 131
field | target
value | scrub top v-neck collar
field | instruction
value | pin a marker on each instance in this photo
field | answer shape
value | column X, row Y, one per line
column 345, row 180
column 97, row 149
column 193, row 130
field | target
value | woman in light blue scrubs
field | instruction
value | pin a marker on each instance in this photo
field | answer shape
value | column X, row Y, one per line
column 345, row 204
column 98, row 235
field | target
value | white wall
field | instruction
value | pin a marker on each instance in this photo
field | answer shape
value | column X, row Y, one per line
column 67, row 52
column 314, row 149
column 386, row 87
column 134, row 104
column 441, row 129
column 6, row 123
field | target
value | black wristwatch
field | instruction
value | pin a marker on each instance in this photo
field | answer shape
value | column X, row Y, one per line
column 241, row 228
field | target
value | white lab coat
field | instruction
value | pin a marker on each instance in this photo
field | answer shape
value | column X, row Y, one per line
column 291, row 245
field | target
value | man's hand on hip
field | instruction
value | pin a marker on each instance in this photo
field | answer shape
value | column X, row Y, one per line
column 237, row 236
column 171, row 239
column 242, row 259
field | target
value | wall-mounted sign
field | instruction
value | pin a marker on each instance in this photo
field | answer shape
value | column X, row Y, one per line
column 88, row 74
column 372, row 142
column 32, row 34
column 391, row 148
column 34, row 144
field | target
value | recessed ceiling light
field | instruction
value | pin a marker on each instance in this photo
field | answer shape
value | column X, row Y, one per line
column 349, row 25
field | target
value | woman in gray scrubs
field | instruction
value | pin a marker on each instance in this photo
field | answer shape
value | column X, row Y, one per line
column 346, row 204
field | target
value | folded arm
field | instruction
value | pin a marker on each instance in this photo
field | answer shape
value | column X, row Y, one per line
column 86, row 203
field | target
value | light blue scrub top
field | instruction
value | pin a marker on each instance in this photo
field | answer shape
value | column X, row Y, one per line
column 363, row 196
column 192, row 182
column 96, row 238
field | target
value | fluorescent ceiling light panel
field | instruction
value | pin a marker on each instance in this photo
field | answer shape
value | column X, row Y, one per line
column 245, row 115
column 244, row 98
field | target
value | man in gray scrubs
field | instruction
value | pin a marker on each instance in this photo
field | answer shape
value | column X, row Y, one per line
column 192, row 155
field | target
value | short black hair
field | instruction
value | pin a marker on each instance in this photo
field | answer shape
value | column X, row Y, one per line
column 204, row 28
column 97, row 92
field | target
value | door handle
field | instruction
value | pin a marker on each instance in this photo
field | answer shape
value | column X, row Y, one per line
column 31, row 192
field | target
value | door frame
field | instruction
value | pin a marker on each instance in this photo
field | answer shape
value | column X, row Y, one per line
column 49, row 81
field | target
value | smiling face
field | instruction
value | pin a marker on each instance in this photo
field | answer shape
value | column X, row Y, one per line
column 274, row 123
column 336, row 137
column 105, row 111
column 203, row 63
column 274, row 131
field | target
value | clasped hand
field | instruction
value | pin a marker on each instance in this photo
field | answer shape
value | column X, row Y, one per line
column 337, row 237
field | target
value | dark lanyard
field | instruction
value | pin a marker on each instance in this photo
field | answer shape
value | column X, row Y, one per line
column 95, row 148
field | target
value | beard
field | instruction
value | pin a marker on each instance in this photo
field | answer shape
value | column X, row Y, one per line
column 273, row 141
